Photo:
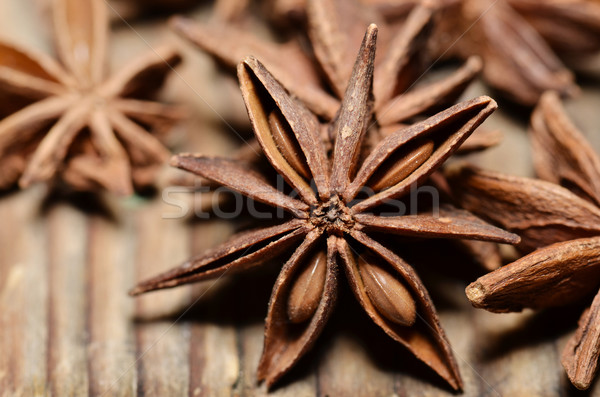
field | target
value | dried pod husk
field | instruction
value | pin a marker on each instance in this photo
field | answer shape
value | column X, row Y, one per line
column 286, row 342
column 447, row 130
column 425, row 338
column 541, row 279
column 307, row 289
column 561, row 153
column 296, row 129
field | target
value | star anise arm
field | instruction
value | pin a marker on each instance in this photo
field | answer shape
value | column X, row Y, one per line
column 143, row 76
column 355, row 114
column 540, row 212
column 158, row 115
column 430, row 96
column 114, row 161
column 287, row 131
column 336, row 28
column 448, row 223
column 81, row 31
column 230, row 45
column 561, row 153
column 580, row 355
column 570, row 26
column 430, row 141
column 240, row 252
column 393, row 75
column 517, row 60
column 30, row 74
column 238, row 177
column 53, row 148
column 555, row 275
column 302, row 300
column 396, row 300
column 230, row 10
column 143, row 148
column 19, row 127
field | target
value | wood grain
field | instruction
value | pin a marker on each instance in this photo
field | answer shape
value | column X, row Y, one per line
column 68, row 328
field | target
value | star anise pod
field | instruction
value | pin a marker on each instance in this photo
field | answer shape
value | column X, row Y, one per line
column 336, row 28
column 560, row 214
column 335, row 31
column 332, row 225
column 70, row 120
column 571, row 27
column 517, row 60
column 514, row 39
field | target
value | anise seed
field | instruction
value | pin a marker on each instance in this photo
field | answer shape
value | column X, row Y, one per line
column 306, row 292
column 289, row 148
column 391, row 298
column 399, row 170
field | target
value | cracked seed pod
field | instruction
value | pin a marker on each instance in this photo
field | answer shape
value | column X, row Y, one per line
column 560, row 217
column 330, row 228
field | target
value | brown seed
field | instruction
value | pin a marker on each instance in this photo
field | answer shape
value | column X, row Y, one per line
column 399, row 169
column 288, row 147
column 391, row 298
column 307, row 289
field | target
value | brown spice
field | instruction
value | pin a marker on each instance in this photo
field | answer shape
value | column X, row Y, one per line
column 517, row 60
column 335, row 29
column 561, row 215
column 331, row 224
column 521, row 42
column 73, row 121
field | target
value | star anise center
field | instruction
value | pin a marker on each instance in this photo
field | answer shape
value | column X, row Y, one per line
column 333, row 216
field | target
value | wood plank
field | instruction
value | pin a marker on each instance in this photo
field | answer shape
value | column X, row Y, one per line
column 23, row 295
column 162, row 339
column 67, row 301
column 214, row 356
column 111, row 271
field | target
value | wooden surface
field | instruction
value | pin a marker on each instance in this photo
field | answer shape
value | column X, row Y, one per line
column 67, row 326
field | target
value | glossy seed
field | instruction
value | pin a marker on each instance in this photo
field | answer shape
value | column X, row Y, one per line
column 402, row 168
column 307, row 289
column 286, row 144
column 390, row 297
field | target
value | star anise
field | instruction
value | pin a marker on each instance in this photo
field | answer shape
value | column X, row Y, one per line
column 571, row 27
column 560, row 214
column 332, row 224
column 515, row 39
column 335, row 31
column 71, row 120
column 517, row 60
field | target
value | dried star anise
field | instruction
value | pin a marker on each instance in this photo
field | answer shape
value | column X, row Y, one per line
column 70, row 120
column 331, row 220
column 571, row 27
column 560, row 214
column 515, row 38
column 517, row 60
column 335, row 30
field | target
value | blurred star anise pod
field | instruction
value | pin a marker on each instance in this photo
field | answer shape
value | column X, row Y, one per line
column 517, row 60
column 335, row 30
column 521, row 42
column 560, row 214
column 69, row 120
column 331, row 225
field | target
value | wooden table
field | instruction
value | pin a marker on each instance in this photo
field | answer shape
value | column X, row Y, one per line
column 68, row 327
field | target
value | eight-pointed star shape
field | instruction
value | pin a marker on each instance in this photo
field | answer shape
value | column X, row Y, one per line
column 330, row 225
column 72, row 121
